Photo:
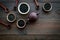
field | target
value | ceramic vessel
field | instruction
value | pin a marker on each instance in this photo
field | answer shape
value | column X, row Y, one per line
column 47, row 7
column 21, row 23
column 23, row 8
column 11, row 17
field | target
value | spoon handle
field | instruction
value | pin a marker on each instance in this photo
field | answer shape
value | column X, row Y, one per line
column 17, row 2
column 4, row 7
column 15, row 7
column 3, row 23
column 37, row 4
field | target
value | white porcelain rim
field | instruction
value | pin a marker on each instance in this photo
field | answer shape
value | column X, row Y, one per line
column 22, row 26
column 49, row 9
column 9, row 14
column 20, row 5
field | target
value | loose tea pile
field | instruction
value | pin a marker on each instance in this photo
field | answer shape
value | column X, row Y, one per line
column 11, row 17
column 21, row 23
column 47, row 6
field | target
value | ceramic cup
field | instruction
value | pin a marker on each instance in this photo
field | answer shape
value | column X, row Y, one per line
column 11, row 17
column 47, row 7
column 21, row 23
column 23, row 8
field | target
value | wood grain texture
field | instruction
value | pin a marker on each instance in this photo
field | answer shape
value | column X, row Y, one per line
column 47, row 23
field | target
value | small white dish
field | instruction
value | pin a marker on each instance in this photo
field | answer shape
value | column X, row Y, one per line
column 13, row 19
column 20, row 6
column 48, row 9
column 21, row 24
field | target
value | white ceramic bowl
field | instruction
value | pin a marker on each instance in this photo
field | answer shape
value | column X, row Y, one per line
column 27, row 6
column 49, row 9
column 10, row 20
column 20, row 26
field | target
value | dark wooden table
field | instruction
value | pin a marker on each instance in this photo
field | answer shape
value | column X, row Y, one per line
column 47, row 25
